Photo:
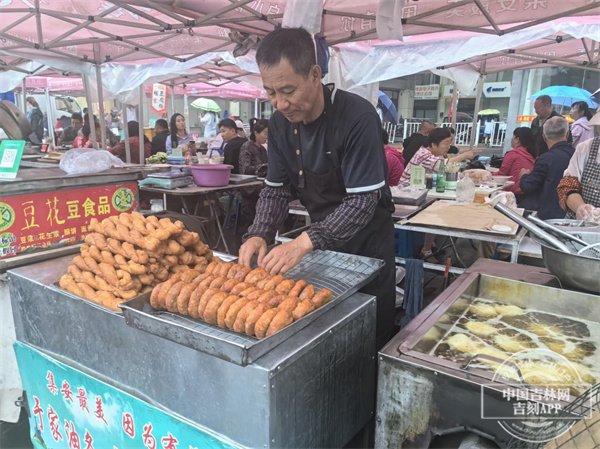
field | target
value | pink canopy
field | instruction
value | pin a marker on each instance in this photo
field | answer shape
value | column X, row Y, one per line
column 61, row 84
column 231, row 91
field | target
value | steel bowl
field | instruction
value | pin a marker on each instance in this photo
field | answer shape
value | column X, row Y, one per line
column 575, row 271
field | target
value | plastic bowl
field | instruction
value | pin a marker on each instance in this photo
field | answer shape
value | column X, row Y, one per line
column 211, row 175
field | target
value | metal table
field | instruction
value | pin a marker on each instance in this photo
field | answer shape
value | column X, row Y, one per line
column 193, row 197
column 316, row 389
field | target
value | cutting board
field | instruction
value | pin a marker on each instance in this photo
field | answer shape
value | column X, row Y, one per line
column 469, row 217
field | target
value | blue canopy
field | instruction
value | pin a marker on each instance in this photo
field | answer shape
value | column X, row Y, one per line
column 567, row 95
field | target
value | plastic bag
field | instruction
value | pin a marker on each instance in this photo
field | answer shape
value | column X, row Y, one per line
column 506, row 198
column 465, row 190
column 80, row 161
column 587, row 212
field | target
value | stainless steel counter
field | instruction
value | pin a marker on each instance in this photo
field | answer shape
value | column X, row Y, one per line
column 315, row 389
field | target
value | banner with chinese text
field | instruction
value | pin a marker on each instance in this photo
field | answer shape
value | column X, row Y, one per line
column 71, row 410
column 47, row 218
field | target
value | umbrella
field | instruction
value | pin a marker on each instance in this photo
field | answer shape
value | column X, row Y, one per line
column 387, row 107
column 206, row 104
column 567, row 95
column 489, row 112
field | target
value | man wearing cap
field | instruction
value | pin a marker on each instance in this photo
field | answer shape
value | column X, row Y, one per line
column 325, row 148
column 231, row 143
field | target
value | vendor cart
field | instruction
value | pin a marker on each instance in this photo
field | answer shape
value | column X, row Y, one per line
column 44, row 214
column 313, row 388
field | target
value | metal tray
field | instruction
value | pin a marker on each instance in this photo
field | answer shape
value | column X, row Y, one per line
column 343, row 274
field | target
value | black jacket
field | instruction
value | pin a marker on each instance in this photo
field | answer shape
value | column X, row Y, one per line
column 539, row 187
column 231, row 153
column 159, row 141
column 536, row 129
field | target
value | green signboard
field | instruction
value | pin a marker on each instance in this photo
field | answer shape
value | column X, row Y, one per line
column 11, row 152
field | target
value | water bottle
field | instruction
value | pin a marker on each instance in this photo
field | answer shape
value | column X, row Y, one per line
column 440, row 178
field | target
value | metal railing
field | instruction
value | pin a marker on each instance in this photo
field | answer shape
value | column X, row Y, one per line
column 391, row 129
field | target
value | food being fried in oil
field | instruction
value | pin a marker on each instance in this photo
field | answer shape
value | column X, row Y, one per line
column 481, row 328
column 513, row 343
column 492, row 352
column 447, row 318
column 463, row 343
column 572, row 350
column 483, row 310
column 547, row 325
column 508, row 310
column 459, row 305
column 545, row 373
column 433, row 334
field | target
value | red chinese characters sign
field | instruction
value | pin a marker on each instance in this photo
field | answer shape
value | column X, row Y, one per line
column 46, row 218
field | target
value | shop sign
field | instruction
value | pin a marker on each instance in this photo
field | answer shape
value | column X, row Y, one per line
column 11, row 152
column 61, row 216
column 500, row 89
column 71, row 410
column 525, row 118
column 159, row 97
column 427, row 92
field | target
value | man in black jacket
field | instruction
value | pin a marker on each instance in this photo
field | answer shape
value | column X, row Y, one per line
column 543, row 109
column 416, row 140
column 231, row 143
column 161, row 132
column 539, row 186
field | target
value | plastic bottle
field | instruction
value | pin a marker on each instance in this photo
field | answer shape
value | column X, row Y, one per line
column 440, row 176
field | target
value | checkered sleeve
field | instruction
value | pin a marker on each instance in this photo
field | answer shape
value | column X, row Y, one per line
column 353, row 214
column 271, row 211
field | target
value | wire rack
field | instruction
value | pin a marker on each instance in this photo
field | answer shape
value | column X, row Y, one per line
column 584, row 434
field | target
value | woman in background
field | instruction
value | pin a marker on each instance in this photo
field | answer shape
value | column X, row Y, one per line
column 581, row 130
column 133, row 129
column 519, row 159
column 253, row 154
column 179, row 135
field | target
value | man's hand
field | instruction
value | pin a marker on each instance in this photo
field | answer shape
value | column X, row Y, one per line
column 252, row 246
column 585, row 212
column 287, row 255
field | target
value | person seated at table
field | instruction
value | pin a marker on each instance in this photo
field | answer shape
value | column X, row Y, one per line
column 521, row 157
column 577, row 191
column 253, row 154
column 394, row 159
column 539, row 186
column 178, row 134
column 111, row 138
column 433, row 152
column 232, row 144
column 417, row 140
column 68, row 134
column 161, row 132
column 83, row 140
column 133, row 130
column 581, row 130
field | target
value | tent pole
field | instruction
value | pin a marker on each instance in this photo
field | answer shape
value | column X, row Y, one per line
column 23, row 97
column 125, row 133
column 454, row 104
column 477, row 103
column 172, row 99
column 186, row 110
column 90, row 108
column 50, row 117
column 256, row 108
column 141, row 125
column 102, row 142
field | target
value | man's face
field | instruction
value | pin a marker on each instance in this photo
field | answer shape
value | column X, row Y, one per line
column 541, row 109
column 227, row 133
column 76, row 123
column 291, row 94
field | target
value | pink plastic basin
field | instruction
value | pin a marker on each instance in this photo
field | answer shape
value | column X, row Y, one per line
column 211, row 175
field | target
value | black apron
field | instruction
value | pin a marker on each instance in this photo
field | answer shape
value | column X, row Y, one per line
column 321, row 194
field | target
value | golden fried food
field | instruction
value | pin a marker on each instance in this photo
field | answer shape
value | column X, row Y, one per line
column 253, row 317
column 207, row 281
column 275, row 301
column 240, row 321
column 303, row 308
column 508, row 310
column 218, row 282
column 184, row 297
column 544, row 330
column 222, row 312
column 194, row 301
column 262, row 325
column 321, row 297
column 298, row 287
column 511, row 344
column 249, row 290
column 241, row 273
column 285, row 286
column 223, row 270
column 233, row 311
column 109, row 273
column 66, row 282
column 229, row 285
column 463, row 343
column 171, row 297
column 256, row 275
column 239, row 288
column 483, row 310
column 272, row 282
column 266, row 295
column 212, row 266
column 289, row 304
column 481, row 328
column 282, row 319
column 212, row 307
column 254, row 294
column 308, row 292
column 209, row 293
